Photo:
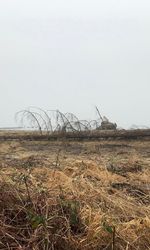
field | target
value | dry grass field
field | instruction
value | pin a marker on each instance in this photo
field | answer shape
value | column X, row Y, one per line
column 75, row 195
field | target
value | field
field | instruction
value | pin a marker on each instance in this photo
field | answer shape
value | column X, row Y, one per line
column 65, row 194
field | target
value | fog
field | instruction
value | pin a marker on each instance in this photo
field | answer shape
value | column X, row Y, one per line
column 73, row 55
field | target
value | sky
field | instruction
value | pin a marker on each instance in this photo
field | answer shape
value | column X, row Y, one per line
column 74, row 54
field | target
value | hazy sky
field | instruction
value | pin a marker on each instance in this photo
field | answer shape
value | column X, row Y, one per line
column 75, row 54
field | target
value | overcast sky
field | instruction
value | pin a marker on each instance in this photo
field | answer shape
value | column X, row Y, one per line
column 75, row 54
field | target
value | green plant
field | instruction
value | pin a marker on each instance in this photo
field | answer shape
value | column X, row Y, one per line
column 35, row 220
column 112, row 230
column 71, row 210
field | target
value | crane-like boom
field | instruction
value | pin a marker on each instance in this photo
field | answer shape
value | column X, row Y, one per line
column 99, row 113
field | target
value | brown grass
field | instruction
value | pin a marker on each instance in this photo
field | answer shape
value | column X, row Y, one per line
column 71, row 195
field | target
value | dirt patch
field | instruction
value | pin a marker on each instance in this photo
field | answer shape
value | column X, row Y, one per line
column 27, row 162
column 124, row 168
column 141, row 193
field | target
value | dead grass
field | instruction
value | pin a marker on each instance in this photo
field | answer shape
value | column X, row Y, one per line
column 53, row 198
